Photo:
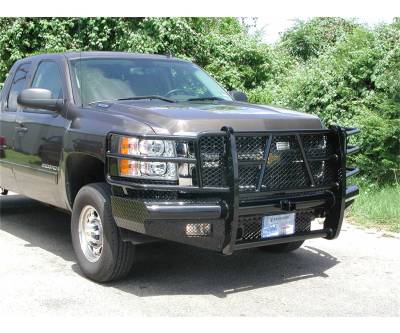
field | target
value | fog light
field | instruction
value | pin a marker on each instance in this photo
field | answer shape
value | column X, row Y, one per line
column 198, row 229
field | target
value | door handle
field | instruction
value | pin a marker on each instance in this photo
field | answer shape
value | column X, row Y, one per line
column 21, row 129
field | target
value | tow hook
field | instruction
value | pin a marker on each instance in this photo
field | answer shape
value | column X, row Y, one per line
column 3, row 191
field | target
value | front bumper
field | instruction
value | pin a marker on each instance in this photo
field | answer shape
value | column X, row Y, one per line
column 168, row 220
column 227, row 211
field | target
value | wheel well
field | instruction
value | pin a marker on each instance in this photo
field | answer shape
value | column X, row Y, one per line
column 80, row 171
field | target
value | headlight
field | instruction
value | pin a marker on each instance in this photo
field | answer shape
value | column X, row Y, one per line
column 153, row 148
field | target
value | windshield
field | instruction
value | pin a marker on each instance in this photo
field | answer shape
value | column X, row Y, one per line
column 112, row 79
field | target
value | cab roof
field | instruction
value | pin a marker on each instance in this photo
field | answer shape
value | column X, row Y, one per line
column 100, row 54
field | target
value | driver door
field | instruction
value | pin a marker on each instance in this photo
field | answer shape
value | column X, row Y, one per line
column 39, row 139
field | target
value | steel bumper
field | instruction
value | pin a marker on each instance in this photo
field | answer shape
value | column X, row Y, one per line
column 168, row 220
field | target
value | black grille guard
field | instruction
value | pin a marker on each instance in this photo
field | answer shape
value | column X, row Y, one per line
column 342, row 196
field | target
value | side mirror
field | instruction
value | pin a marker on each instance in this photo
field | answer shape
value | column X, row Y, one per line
column 239, row 96
column 37, row 98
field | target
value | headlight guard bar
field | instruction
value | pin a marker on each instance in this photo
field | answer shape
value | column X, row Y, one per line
column 231, row 159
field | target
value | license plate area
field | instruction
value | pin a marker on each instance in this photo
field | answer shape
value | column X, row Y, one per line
column 278, row 225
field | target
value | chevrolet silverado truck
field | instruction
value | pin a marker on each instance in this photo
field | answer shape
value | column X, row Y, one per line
column 141, row 148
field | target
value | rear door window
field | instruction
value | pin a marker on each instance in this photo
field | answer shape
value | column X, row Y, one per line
column 18, row 84
column 48, row 77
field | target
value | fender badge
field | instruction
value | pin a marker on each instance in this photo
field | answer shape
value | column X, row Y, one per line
column 49, row 167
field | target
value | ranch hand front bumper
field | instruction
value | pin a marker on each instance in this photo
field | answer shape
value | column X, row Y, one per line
column 228, row 217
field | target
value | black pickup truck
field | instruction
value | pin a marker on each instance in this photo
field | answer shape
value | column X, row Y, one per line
column 147, row 147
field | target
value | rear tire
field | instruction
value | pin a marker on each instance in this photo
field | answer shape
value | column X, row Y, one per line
column 282, row 248
column 101, row 253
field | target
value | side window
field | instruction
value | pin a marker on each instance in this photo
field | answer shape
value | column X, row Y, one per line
column 18, row 84
column 48, row 77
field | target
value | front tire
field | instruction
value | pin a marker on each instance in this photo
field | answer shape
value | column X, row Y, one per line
column 101, row 253
column 283, row 248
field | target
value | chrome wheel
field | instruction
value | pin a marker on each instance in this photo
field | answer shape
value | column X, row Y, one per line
column 90, row 233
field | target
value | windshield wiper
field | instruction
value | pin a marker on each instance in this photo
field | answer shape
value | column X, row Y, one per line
column 211, row 98
column 133, row 98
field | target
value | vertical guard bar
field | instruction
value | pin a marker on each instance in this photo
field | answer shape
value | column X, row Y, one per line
column 334, row 219
column 233, row 181
column 264, row 166
column 303, row 154
column 198, row 162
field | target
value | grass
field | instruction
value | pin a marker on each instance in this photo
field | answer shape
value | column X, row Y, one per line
column 378, row 208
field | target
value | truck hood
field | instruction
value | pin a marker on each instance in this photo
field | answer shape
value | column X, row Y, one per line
column 164, row 117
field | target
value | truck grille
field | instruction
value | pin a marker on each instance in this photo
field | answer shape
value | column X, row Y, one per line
column 213, row 161
column 282, row 169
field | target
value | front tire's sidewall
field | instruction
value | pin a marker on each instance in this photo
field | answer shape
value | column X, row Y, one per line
column 103, row 268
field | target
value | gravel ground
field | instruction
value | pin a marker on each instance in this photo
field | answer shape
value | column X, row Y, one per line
column 355, row 275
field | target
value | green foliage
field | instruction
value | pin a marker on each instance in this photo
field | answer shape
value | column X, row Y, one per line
column 342, row 71
column 378, row 207
column 309, row 39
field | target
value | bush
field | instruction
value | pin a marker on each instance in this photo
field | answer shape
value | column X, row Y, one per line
column 309, row 39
